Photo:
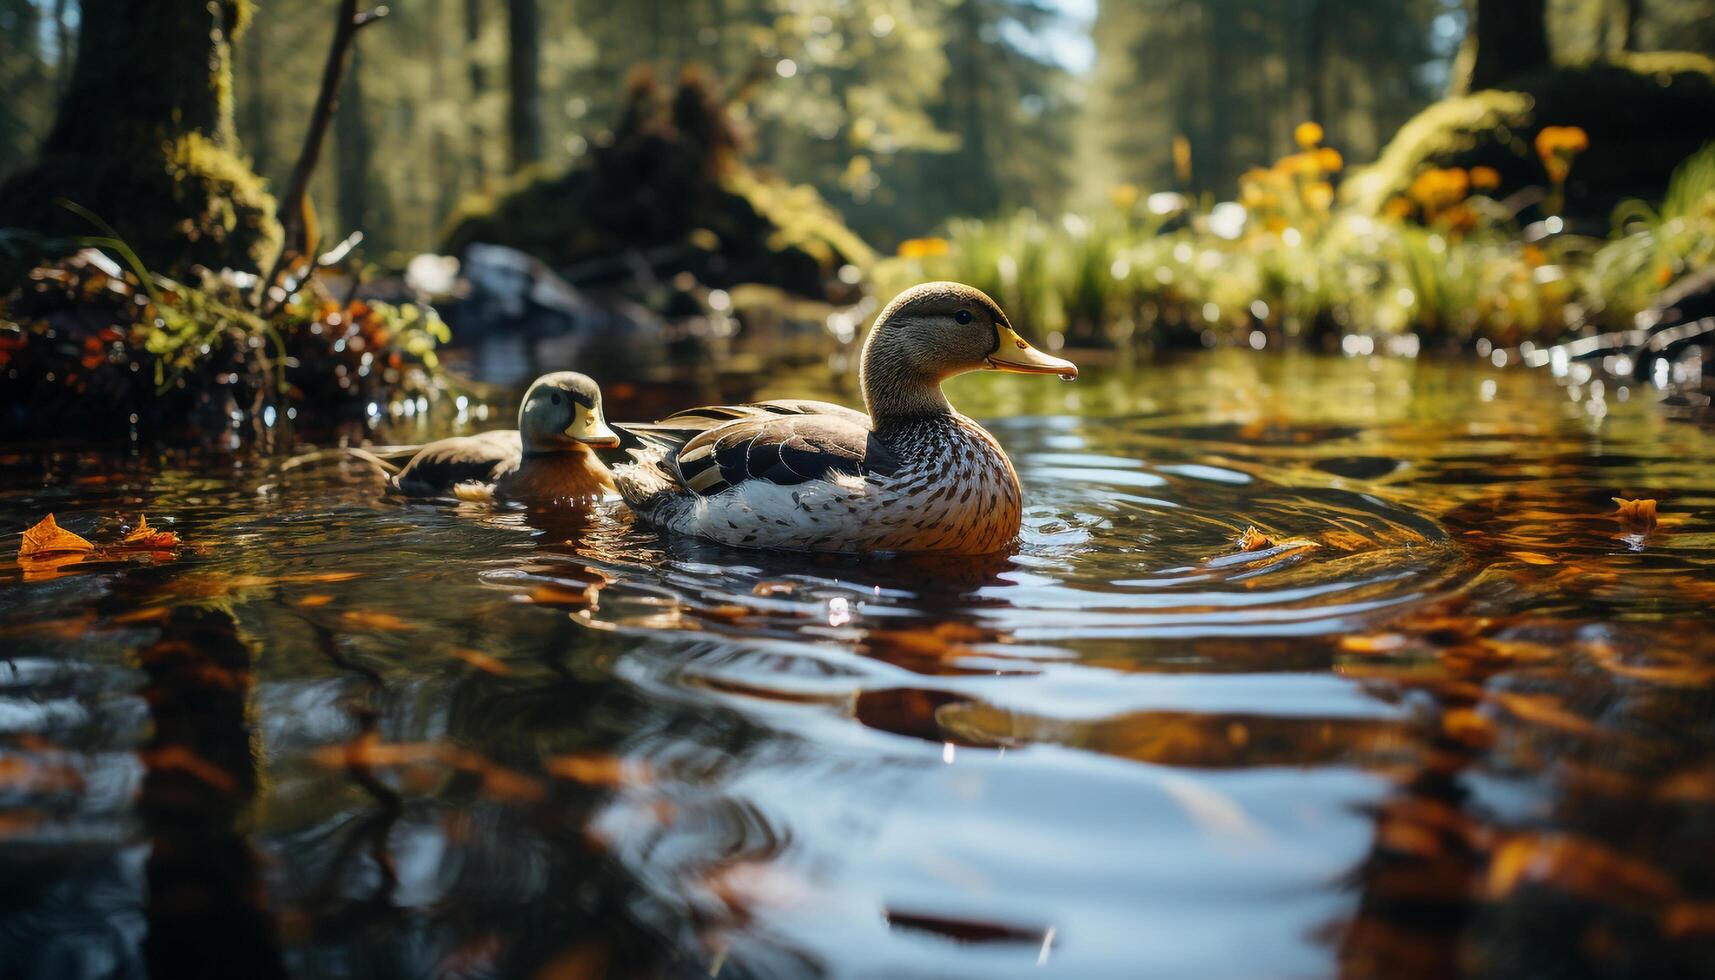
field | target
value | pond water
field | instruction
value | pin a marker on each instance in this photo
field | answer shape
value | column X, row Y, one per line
column 1454, row 716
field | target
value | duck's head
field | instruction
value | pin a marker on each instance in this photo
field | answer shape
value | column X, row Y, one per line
column 561, row 411
column 937, row 330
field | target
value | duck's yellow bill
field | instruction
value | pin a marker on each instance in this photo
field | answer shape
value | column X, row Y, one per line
column 589, row 429
column 1015, row 354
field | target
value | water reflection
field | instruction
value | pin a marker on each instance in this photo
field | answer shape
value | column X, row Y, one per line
column 1443, row 712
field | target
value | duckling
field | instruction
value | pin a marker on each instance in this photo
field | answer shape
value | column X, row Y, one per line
column 549, row 457
column 912, row 475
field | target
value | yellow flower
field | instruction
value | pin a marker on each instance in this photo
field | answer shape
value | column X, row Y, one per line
column 922, row 248
column 1436, row 188
column 1124, row 196
column 1300, row 164
column 1330, row 159
column 1397, row 208
column 1556, row 146
column 1319, row 195
column 1308, row 134
column 1485, row 178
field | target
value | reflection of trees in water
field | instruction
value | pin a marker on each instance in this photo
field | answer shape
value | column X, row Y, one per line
column 522, row 875
column 197, row 908
column 1547, row 825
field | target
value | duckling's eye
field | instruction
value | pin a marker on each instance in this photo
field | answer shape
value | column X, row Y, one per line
column 963, row 316
column 555, row 398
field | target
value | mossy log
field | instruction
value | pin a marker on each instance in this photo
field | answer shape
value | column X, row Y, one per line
column 1644, row 114
column 144, row 138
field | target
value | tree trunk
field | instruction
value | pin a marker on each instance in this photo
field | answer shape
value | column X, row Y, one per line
column 1505, row 39
column 256, row 117
column 144, row 138
column 523, row 30
column 352, row 149
column 1631, row 11
column 478, row 75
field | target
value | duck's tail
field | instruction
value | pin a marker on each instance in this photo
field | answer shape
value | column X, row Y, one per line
column 386, row 460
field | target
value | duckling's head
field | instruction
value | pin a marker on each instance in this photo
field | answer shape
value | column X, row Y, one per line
column 937, row 330
column 562, row 411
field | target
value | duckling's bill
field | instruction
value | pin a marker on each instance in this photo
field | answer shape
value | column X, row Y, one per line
column 1013, row 353
column 589, row 428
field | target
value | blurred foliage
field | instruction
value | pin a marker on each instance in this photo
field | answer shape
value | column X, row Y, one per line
column 1643, row 113
column 107, row 352
column 1449, row 265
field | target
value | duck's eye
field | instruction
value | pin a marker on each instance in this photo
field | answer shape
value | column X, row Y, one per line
column 963, row 316
column 555, row 398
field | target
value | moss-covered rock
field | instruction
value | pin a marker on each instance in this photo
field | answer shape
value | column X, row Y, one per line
column 1643, row 114
column 668, row 188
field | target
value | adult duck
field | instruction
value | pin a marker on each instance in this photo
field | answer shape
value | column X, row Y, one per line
column 913, row 475
column 549, row 458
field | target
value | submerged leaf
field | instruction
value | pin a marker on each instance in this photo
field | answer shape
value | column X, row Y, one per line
column 48, row 538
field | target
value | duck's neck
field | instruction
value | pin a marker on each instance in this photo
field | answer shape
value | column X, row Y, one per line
column 896, row 394
column 545, row 448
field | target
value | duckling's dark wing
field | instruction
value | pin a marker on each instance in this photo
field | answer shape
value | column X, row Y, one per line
column 442, row 465
column 781, row 448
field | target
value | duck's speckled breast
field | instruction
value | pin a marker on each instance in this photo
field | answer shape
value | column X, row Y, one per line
column 956, row 492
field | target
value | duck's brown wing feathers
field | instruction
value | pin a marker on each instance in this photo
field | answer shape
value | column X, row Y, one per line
column 442, row 465
column 786, row 450
column 786, row 442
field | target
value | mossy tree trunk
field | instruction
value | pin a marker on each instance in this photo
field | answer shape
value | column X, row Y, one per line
column 144, row 138
column 524, row 32
column 1504, row 39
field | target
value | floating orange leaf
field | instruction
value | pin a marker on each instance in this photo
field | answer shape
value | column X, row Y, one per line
column 1575, row 865
column 1636, row 514
column 1690, row 919
column 552, row 594
column 146, row 538
column 48, row 538
column 482, row 661
column 599, row 769
column 365, row 619
column 1254, row 540
column 1532, row 558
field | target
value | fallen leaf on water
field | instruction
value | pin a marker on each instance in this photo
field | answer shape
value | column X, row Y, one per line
column 1575, row 865
column 549, row 594
column 1544, row 710
column 599, row 769
column 1636, row 514
column 1531, row 558
column 481, row 661
column 315, row 601
column 365, row 619
column 1377, row 643
column 145, row 538
column 1254, row 540
column 48, row 538
column 1690, row 919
